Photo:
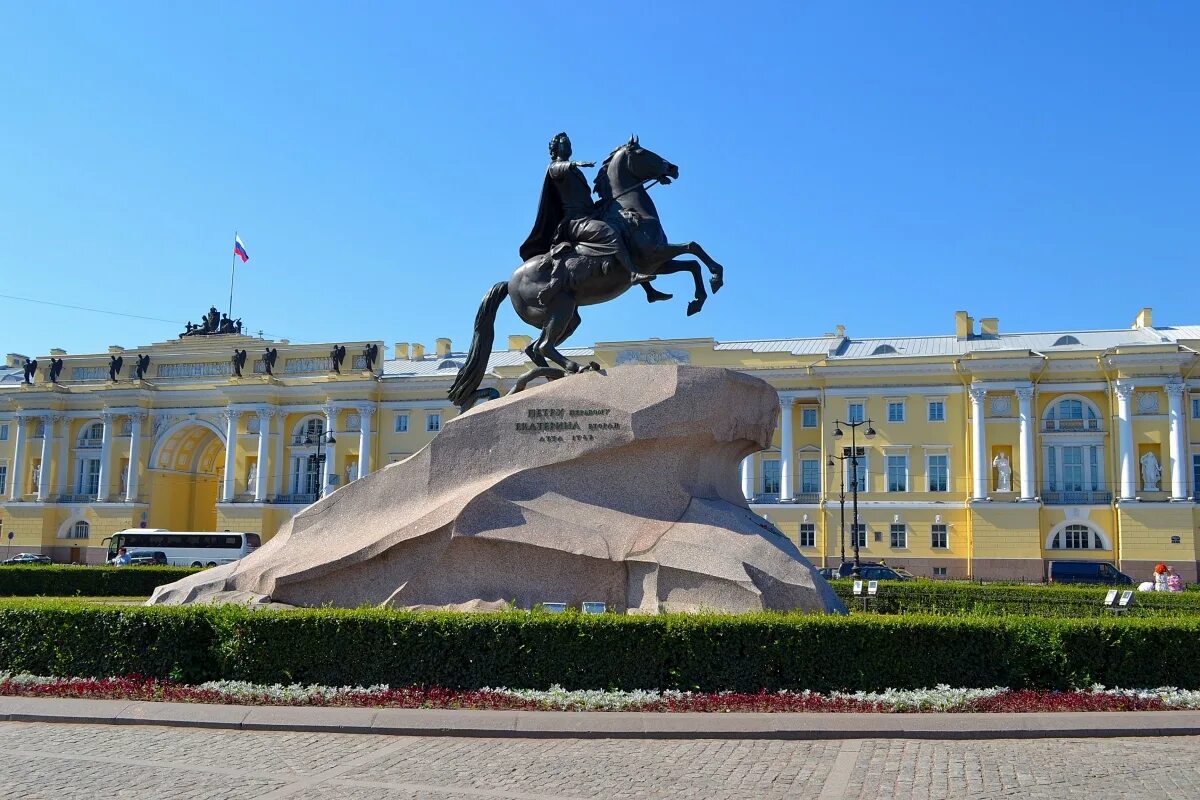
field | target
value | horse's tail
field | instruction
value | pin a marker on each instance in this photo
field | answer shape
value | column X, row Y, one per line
column 471, row 375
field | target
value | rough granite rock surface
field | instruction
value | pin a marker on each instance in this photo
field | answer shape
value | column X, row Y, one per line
column 619, row 487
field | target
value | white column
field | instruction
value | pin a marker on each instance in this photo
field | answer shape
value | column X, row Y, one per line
column 280, row 466
column 17, row 487
column 1025, row 412
column 260, row 469
column 748, row 477
column 330, row 449
column 105, row 482
column 981, row 470
column 62, row 479
column 44, row 471
column 1178, row 442
column 135, row 456
column 786, row 493
column 231, row 420
column 1125, row 440
column 365, row 413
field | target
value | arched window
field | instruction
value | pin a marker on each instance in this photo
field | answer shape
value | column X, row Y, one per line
column 311, row 429
column 883, row 349
column 1072, row 414
column 1077, row 536
column 91, row 435
column 80, row 530
column 1062, row 341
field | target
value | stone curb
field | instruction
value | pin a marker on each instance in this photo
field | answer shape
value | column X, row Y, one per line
column 605, row 725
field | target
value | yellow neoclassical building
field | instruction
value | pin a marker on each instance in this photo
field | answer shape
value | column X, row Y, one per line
column 992, row 452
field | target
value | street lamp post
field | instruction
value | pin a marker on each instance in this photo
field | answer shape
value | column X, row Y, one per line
column 833, row 462
column 318, row 458
column 869, row 433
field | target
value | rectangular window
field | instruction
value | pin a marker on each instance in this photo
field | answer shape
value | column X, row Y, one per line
column 895, row 409
column 4, row 432
column 937, row 410
column 433, row 422
column 810, row 475
column 808, row 534
column 939, row 473
column 897, row 473
column 808, row 418
column 939, row 572
column 1052, row 469
column 1195, row 475
column 856, row 412
column 3, row 478
column 1094, row 470
column 899, row 533
column 770, row 470
column 1195, row 410
column 849, row 464
column 940, row 539
column 1072, row 469
column 89, row 476
column 402, row 423
column 859, row 531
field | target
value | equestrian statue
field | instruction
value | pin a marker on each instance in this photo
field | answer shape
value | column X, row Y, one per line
column 582, row 252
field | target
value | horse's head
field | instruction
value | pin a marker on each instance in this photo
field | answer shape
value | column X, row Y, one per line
column 644, row 164
column 629, row 165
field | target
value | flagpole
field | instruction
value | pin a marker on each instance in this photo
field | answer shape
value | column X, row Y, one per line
column 232, row 272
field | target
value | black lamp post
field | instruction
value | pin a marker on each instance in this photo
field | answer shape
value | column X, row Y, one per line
column 869, row 433
column 833, row 462
column 318, row 458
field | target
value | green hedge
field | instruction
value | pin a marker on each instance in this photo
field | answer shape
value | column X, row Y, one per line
column 535, row 650
column 961, row 597
column 67, row 581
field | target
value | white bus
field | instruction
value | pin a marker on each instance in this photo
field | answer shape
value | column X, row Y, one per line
column 186, row 548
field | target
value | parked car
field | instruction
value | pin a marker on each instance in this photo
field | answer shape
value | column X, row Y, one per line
column 871, row 571
column 1101, row 572
column 142, row 558
column 27, row 558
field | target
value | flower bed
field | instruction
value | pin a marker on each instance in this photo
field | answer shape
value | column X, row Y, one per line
column 940, row 698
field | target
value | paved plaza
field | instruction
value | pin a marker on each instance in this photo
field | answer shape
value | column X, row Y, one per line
column 62, row 761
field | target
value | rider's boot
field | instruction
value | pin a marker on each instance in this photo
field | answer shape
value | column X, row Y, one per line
column 654, row 295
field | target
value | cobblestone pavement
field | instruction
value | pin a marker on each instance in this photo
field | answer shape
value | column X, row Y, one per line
column 100, row 761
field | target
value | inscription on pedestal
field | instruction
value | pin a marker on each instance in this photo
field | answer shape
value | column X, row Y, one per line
column 560, row 425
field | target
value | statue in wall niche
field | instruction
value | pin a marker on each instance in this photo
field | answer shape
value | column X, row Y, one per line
column 238, row 361
column 336, row 356
column 269, row 356
column 30, row 370
column 251, row 479
column 1003, row 473
column 582, row 252
column 115, row 363
column 141, row 365
column 56, row 365
column 1151, row 473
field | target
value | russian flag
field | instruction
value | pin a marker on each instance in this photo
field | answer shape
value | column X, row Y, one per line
column 239, row 249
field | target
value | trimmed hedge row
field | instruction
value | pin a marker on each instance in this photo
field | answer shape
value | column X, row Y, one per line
column 535, row 650
column 961, row 597
column 67, row 581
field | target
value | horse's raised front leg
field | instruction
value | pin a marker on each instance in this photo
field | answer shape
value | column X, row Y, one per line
column 561, row 319
column 692, row 248
column 693, row 267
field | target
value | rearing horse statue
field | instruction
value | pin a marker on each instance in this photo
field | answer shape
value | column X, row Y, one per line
column 621, row 181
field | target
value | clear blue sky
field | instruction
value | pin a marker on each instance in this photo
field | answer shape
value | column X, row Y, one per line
column 878, row 165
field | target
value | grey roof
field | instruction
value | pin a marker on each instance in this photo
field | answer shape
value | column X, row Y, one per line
column 844, row 348
column 447, row 366
column 11, row 376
